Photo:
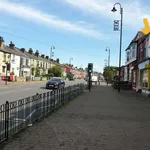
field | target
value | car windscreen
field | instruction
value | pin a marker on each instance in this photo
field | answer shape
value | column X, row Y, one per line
column 54, row 79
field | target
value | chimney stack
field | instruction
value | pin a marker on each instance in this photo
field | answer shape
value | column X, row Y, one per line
column 30, row 51
column 37, row 53
column 11, row 45
column 1, row 41
column 23, row 50
column 57, row 60
column 47, row 57
column 43, row 56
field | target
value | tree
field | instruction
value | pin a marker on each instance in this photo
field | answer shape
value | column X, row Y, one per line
column 37, row 72
column 108, row 72
column 56, row 71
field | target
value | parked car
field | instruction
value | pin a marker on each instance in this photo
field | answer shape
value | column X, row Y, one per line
column 55, row 83
column 71, row 78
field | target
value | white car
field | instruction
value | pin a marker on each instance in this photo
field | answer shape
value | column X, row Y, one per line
column 94, row 78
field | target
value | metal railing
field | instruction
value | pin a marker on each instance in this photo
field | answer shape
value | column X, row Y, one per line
column 17, row 115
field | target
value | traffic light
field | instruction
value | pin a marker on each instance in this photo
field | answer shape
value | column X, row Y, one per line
column 90, row 67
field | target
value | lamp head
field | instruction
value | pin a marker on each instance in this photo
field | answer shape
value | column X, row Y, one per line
column 114, row 9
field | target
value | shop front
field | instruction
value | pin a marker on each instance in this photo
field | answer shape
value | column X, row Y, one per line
column 145, row 77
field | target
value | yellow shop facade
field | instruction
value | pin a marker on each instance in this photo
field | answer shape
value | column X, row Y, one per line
column 144, row 69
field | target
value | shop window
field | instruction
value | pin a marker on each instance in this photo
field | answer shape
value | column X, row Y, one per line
column 134, row 76
column 145, row 79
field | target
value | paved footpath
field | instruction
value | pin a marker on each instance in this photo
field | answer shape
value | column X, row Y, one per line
column 98, row 120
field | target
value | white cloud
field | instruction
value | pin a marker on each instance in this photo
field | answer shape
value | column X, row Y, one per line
column 134, row 11
column 31, row 14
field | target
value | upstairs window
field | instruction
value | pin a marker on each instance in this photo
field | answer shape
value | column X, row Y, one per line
column 133, row 53
column 141, row 52
column 27, row 62
column 128, row 55
column 21, row 61
column 4, row 57
column 13, row 58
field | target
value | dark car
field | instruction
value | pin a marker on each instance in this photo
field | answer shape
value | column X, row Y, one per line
column 55, row 83
column 71, row 78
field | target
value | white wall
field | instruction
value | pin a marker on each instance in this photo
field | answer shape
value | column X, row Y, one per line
column 15, row 64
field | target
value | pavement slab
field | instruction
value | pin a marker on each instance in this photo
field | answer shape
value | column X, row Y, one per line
column 102, row 119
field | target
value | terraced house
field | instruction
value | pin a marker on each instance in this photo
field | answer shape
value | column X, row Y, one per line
column 5, row 56
column 39, row 64
column 20, row 62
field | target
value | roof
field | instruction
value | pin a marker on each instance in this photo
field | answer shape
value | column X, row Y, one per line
column 135, row 39
column 33, row 56
column 6, row 49
column 143, row 38
column 18, row 52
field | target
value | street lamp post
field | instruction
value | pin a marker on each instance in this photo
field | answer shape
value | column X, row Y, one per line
column 121, row 13
column 51, row 54
column 70, row 60
column 105, row 62
column 108, row 49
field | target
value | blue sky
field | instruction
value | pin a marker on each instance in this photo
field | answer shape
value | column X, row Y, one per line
column 81, row 29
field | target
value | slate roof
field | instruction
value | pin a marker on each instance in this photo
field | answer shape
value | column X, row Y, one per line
column 6, row 49
column 135, row 39
column 39, row 58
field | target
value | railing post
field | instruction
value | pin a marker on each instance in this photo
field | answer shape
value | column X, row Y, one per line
column 6, row 119
column 63, row 95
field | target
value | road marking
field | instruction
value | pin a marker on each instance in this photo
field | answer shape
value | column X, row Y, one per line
column 15, row 91
column 4, row 93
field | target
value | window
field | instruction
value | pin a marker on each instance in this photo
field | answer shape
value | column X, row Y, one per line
column 41, row 64
column 141, row 52
column 134, row 76
column 46, row 65
column 37, row 63
column 21, row 61
column 128, row 56
column 133, row 53
column 27, row 62
column 4, row 57
column 133, row 46
column 13, row 59
column 145, row 78
column 3, row 69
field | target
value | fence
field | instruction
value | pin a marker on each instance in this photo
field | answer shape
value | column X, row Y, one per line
column 17, row 115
